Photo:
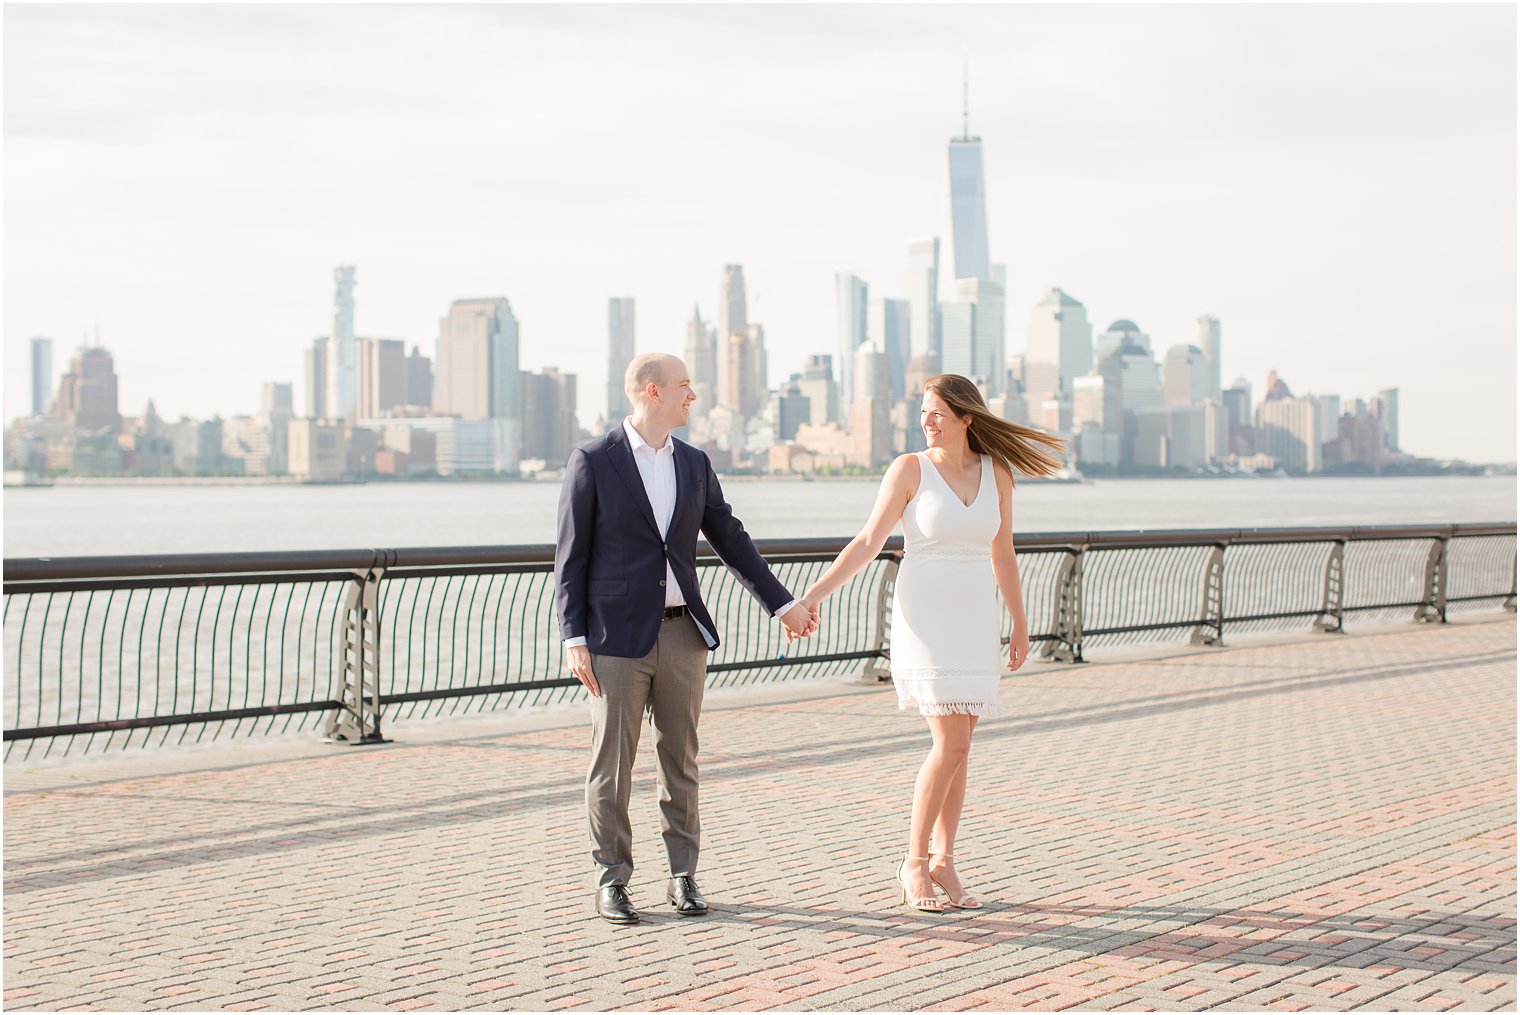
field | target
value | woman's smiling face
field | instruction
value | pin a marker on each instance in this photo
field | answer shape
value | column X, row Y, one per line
column 941, row 426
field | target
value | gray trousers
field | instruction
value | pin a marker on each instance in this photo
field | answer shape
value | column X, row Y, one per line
column 668, row 683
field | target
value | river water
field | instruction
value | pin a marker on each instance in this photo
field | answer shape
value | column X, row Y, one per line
column 69, row 520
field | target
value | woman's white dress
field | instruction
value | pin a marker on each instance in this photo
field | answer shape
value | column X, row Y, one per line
column 947, row 654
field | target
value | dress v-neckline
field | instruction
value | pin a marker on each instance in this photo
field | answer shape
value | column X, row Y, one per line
column 980, row 476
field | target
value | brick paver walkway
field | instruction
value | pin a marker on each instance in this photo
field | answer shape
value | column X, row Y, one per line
column 1322, row 823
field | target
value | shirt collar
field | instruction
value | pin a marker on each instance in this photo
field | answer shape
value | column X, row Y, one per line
column 637, row 442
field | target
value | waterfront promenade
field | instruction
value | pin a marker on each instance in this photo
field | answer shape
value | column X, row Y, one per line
column 1319, row 822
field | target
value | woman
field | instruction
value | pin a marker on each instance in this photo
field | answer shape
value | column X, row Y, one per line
column 954, row 501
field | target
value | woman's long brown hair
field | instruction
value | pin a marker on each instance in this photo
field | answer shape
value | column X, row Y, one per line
column 1023, row 449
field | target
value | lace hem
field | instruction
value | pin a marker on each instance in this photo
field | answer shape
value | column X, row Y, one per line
column 977, row 708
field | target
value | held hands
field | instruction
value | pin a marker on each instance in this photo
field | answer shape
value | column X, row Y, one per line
column 801, row 620
column 580, row 665
column 1018, row 649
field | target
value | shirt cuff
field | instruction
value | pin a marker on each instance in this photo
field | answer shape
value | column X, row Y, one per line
column 574, row 642
column 783, row 609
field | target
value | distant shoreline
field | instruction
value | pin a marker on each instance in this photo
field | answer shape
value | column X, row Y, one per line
column 204, row 481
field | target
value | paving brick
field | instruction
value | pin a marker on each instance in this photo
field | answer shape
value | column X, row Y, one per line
column 1322, row 824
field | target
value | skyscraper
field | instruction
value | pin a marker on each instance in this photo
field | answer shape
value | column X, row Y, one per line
column 316, row 379
column 1139, row 378
column 276, row 410
column 1236, row 400
column 817, row 385
column 1288, row 429
column 701, row 360
column 738, row 372
column 850, row 299
column 549, row 426
column 42, row 375
column 87, row 393
column 870, row 420
column 1118, row 333
column 1329, row 415
column 382, row 376
column 887, row 329
column 1358, row 437
column 972, row 339
column 345, row 374
column 1388, row 413
column 1208, row 341
column 1185, row 376
column 968, row 201
column 477, row 372
column 733, row 319
column 753, row 397
column 620, row 352
column 923, row 295
column 1059, row 336
column 793, row 409
column 275, row 400
column 419, row 380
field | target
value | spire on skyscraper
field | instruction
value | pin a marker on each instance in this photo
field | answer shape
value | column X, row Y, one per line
column 965, row 97
column 968, row 198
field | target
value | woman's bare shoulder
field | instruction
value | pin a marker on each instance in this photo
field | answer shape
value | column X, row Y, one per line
column 902, row 474
column 1003, row 475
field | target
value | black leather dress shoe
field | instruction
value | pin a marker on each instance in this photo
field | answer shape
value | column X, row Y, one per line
column 613, row 906
column 684, row 894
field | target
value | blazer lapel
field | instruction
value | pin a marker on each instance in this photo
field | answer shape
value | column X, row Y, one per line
column 685, row 484
column 628, row 471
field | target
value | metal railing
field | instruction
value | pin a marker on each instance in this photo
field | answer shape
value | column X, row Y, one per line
column 112, row 652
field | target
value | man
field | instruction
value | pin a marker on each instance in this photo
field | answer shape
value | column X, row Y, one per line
column 636, row 632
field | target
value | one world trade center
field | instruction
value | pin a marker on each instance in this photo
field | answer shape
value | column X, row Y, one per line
column 968, row 204
column 971, row 321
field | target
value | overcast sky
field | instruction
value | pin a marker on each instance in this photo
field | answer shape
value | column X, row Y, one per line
column 1336, row 184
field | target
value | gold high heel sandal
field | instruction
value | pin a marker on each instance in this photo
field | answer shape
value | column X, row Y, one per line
column 928, row 904
column 965, row 901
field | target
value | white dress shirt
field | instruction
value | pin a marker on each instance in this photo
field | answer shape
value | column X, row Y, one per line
column 657, row 468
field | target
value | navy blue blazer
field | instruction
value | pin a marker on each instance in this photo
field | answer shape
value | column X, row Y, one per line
column 609, row 559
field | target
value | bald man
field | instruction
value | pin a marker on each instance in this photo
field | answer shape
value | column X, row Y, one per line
column 636, row 631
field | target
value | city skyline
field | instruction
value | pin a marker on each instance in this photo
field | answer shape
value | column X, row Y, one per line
column 1350, row 304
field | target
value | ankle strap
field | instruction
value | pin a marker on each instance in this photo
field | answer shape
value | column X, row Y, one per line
column 910, row 856
column 947, row 856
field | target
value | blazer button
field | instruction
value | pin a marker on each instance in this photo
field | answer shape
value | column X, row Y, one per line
column 662, row 583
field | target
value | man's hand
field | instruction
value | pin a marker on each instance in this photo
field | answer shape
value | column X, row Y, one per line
column 580, row 665
column 800, row 621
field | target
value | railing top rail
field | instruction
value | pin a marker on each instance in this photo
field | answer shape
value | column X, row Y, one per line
column 31, row 569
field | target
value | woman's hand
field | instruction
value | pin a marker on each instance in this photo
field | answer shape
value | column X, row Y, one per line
column 808, row 602
column 1018, row 648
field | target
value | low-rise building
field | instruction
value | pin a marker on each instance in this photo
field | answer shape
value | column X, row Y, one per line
column 460, row 445
column 317, row 450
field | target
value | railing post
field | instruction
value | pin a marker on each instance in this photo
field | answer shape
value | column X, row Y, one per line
column 1433, row 609
column 879, row 667
column 1331, row 615
column 1067, row 627
column 357, row 721
column 1509, row 602
column 1210, row 628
